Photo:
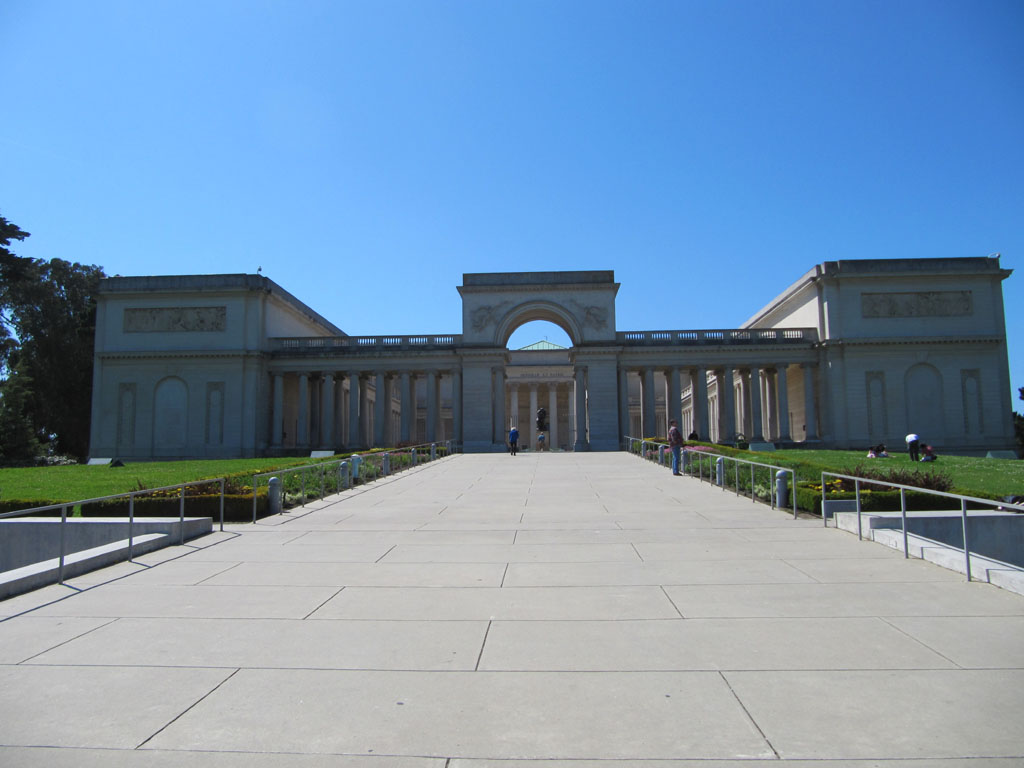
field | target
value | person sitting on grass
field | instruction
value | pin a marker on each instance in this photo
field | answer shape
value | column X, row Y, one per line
column 928, row 454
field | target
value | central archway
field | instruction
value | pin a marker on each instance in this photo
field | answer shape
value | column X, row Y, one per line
column 531, row 311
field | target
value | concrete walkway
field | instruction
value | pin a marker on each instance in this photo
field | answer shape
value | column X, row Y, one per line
column 543, row 610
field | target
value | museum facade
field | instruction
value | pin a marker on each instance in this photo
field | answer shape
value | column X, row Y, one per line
column 853, row 354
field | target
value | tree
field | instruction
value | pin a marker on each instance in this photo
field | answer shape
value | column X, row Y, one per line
column 48, row 320
column 18, row 441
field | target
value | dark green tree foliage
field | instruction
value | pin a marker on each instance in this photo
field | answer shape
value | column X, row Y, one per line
column 18, row 442
column 47, row 323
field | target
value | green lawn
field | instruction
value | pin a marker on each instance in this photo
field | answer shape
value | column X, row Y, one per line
column 71, row 483
column 971, row 475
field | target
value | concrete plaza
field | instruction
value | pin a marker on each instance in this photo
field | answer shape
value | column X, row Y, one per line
column 541, row 610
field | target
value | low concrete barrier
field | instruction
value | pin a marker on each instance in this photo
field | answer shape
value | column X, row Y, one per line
column 30, row 546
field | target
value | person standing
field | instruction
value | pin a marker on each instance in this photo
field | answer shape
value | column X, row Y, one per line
column 913, row 444
column 513, row 440
column 675, row 442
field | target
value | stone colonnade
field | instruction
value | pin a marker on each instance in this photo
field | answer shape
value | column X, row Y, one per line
column 558, row 398
column 358, row 409
column 720, row 402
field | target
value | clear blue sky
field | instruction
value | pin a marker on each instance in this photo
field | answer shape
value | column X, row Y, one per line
column 366, row 154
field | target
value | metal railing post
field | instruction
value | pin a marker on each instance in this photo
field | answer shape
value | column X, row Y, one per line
column 63, row 522
column 181, row 517
column 967, row 546
column 856, row 491
column 131, row 523
column 903, row 516
column 824, row 498
column 222, row 504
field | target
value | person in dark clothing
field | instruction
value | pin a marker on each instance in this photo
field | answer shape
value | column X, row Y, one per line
column 675, row 442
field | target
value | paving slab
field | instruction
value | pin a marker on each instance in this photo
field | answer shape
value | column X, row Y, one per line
column 915, row 598
column 53, row 757
column 562, row 610
column 886, row 715
column 662, row 573
column 705, row 644
column 472, row 714
column 267, row 643
column 363, row 575
column 30, row 636
column 211, row 601
column 523, row 604
column 115, row 707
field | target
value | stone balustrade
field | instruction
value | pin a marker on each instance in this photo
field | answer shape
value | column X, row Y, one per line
column 718, row 337
column 352, row 344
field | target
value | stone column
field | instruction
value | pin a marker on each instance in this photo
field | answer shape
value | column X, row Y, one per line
column 770, row 403
column 745, row 424
column 782, row 398
column 513, row 417
column 353, row 411
column 432, row 403
column 379, row 409
column 726, row 407
column 810, row 417
column 390, row 436
column 699, row 379
column 339, row 409
column 364, row 412
column 302, row 428
column 327, row 413
column 674, row 406
column 553, row 416
column 624, row 425
column 408, row 407
column 533, row 416
column 647, row 401
column 580, row 443
column 500, row 431
column 277, row 412
column 756, row 422
column 457, row 406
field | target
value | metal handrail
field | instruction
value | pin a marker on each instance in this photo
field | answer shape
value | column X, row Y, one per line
column 346, row 474
column 642, row 443
column 63, row 507
column 962, row 499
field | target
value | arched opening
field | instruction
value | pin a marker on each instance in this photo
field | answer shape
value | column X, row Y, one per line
column 537, row 332
column 546, row 312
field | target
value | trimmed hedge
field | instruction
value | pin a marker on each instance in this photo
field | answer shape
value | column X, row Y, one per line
column 237, row 508
column 809, row 500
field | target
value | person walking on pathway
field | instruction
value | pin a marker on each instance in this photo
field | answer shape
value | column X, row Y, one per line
column 675, row 442
column 913, row 443
column 513, row 440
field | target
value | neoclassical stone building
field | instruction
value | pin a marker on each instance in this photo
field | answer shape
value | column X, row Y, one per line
column 852, row 354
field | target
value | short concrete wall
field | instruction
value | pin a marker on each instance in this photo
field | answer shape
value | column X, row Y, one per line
column 30, row 546
column 996, row 535
column 28, row 540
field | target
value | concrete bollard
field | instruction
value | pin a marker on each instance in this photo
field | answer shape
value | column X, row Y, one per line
column 414, row 457
column 346, row 477
column 781, row 489
column 719, row 471
column 661, row 455
column 385, row 464
column 274, row 495
column 356, row 461
column 433, row 451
